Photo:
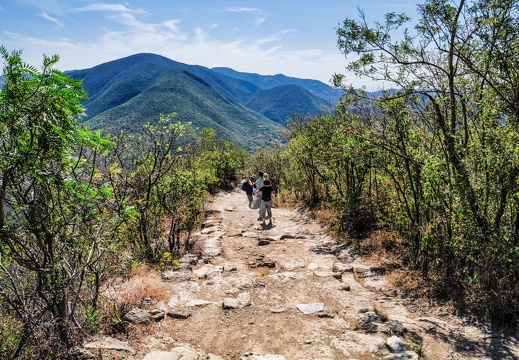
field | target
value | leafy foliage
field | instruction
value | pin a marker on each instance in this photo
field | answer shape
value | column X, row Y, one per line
column 50, row 209
column 77, row 208
column 437, row 158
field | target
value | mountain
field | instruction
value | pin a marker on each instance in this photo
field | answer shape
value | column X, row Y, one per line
column 283, row 102
column 126, row 93
column 317, row 88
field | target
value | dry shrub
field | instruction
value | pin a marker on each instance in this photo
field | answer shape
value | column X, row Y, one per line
column 143, row 288
column 143, row 283
column 387, row 249
column 324, row 216
column 408, row 282
column 287, row 200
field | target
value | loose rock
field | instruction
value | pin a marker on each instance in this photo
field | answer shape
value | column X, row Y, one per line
column 395, row 344
column 230, row 303
column 253, row 356
column 179, row 313
column 310, row 308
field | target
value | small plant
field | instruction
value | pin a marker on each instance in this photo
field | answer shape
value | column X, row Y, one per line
column 382, row 316
column 118, row 311
column 169, row 260
column 93, row 318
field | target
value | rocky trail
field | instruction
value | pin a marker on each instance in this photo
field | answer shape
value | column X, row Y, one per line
column 287, row 291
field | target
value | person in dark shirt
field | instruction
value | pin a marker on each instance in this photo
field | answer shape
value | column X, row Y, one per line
column 249, row 189
column 267, row 192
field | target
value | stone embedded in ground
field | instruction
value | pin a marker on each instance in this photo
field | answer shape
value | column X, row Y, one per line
column 199, row 302
column 287, row 236
column 230, row 303
column 396, row 344
column 269, row 264
column 205, row 271
column 175, row 275
column 375, row 327
column 336, row 275
column 395, row 327
column 107, row 342
column 313, row 266
column 254, row 356
column 406, row 355
column 174, row 354
column 207, row 223
column 278, row 310
column 345, row 288
column 244, row 299
column 179, row 313
column 263, row 242
column 229, row 267
column 157, row 314
column 310, row 308
column 361, row 271
column 376, row 283
column 340, row 267
column 211, row 247
column 137, row 316
column 365, row 318
column 209, row 230
column 326, row 313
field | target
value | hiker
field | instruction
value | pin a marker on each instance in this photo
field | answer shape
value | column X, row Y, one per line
column 267, row 191
column 256, row 196
column 248, row 186
column 259, row 184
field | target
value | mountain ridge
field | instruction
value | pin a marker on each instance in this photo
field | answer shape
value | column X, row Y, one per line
column 128, row 92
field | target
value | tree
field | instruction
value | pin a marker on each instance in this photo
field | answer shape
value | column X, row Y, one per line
column 457, row 74
column 50, row 206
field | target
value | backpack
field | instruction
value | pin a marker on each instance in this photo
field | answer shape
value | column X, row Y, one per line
column 245, row 185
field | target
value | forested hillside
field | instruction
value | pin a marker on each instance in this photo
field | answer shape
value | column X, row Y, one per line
column 126, row 93
column 285, row 102
column 265, row 82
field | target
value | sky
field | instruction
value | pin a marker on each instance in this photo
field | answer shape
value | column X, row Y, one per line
column 292, row 37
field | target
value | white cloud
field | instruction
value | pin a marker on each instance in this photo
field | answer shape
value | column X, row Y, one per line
column 50, row 18
column 242, row 9
column 196, row 45
column 274, row 49
column 201, row 35
column 110, row 7
column 260, row 15
column 172, row 25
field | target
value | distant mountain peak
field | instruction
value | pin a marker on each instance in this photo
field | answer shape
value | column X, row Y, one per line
column 243, row 108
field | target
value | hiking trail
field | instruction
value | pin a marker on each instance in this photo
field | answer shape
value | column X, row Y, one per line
column 287, row 291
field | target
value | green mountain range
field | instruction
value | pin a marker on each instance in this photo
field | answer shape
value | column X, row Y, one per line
column 247, row 109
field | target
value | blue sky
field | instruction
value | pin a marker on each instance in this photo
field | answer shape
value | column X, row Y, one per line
column 295, row 38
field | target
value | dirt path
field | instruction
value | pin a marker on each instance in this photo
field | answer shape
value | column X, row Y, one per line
column 288, row 291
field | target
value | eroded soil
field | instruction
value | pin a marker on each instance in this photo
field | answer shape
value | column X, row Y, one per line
column 273, row 275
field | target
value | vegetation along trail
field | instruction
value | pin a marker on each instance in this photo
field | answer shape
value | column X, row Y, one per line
column 285, row 291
